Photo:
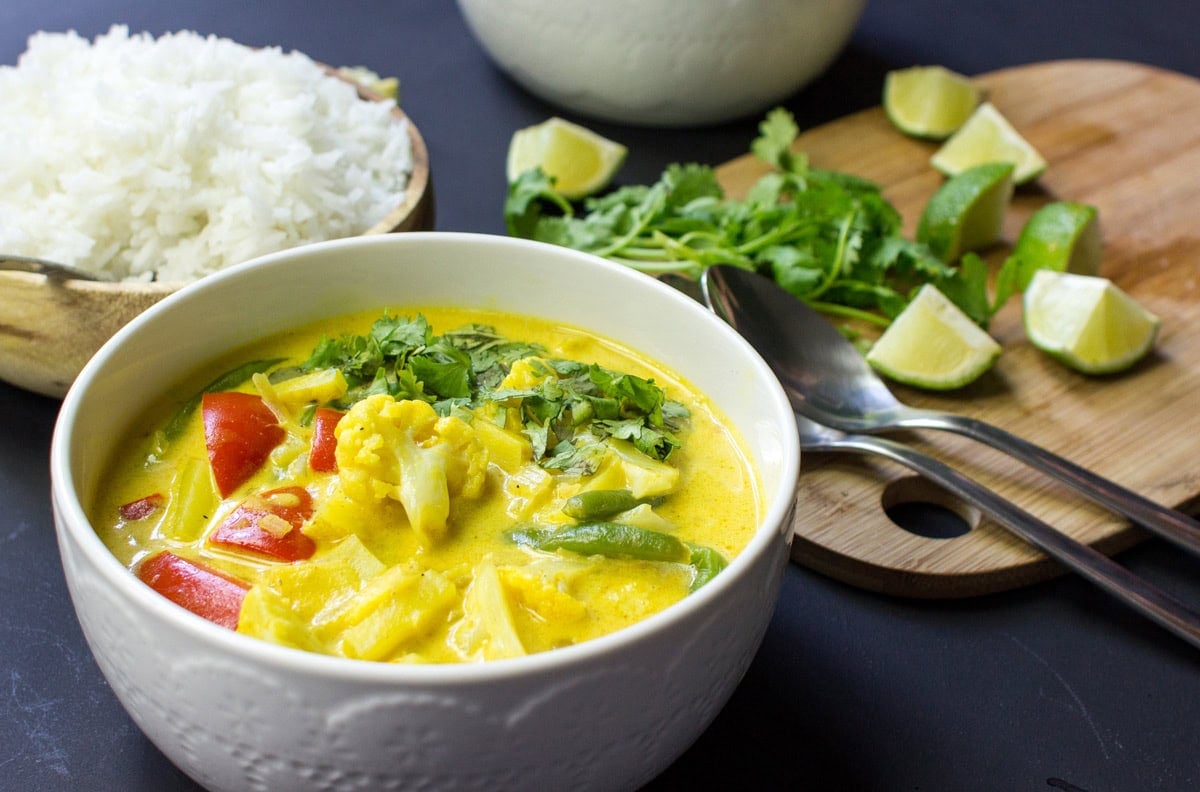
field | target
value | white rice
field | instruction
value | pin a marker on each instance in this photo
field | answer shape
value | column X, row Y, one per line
column 170, row 158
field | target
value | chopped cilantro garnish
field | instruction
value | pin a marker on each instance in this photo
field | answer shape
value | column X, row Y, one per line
column 567, row 415
column 577, row 406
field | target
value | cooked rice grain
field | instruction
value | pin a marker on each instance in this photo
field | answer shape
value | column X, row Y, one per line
column 171, row 158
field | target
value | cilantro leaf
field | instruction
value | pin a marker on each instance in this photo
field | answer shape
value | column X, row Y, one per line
column 966, row 286
column 689, row 183
column 527, row 199
column 445, row 369
column 777, row 133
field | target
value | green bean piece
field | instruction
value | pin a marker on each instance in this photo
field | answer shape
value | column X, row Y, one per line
column 599, row 504
column 307, row 413
column 230, row 379
column 609, row 539
column 707, row 563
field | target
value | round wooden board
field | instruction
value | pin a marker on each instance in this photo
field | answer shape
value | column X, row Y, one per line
column 1125, row 138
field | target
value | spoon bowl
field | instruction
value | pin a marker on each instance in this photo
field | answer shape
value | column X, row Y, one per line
column 826, row 377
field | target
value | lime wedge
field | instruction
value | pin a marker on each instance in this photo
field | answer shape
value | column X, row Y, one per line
column 967, row 211
column 580, row 161
column 932, row 344
column 1063, row 236
column 1087, row 322
column 987, row 136
column 929, row 101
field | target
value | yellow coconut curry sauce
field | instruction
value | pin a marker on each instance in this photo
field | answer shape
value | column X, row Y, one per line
column 431, row 486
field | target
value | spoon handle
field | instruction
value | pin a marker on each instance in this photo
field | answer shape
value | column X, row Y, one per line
column 1170, row 524
column 50, row 269
column 1091, row 564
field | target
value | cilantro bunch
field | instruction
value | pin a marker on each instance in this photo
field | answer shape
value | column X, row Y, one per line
column 829, row 238
column 566, row 416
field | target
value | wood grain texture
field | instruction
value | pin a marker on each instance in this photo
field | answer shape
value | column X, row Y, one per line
column 1125, row 138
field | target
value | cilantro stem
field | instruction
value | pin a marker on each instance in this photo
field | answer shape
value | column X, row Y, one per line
column 704, row 256
column 839, row 256
column 643, row 217
column 661, row 266
column 643, row 253
column 775, row 235
column 835, row 309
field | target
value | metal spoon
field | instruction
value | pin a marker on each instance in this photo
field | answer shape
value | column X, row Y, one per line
column 1109, row 576
column 830, row 382
column 1091, row 564
column 51, row 269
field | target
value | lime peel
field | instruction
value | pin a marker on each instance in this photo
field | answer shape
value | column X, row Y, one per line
column 1063, row 236
column 580, row 161
column 967, row 211
column 1087, row 322
column 929, row 102
column 932, row 344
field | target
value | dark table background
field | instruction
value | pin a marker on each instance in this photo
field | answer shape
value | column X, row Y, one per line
column 1053, row 686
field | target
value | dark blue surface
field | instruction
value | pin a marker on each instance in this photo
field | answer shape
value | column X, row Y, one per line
column 1049, row 687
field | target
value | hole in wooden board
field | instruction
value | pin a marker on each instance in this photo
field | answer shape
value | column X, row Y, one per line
column 923, row 508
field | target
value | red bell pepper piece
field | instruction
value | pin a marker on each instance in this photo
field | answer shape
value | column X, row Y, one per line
column 322, row 457
column 195, row 586
column 141, row 508
column 269, row 523
column 240, row 431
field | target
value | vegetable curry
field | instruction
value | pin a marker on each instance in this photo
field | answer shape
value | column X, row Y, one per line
column 369, row 488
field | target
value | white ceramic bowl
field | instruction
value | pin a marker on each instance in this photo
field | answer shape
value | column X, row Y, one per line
column 236, row 713
column 663, row 62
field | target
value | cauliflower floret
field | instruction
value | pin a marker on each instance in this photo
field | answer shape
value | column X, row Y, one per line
column 405, row 451
column 624, row 467
column 527, row 373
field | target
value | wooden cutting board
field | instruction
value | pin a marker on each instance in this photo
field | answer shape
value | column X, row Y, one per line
column 1125, row 138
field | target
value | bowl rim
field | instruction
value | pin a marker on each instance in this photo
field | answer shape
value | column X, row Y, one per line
column 72, row 523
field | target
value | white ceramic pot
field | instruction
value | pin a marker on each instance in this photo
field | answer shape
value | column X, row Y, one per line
column 236, row 713
column 663, row 62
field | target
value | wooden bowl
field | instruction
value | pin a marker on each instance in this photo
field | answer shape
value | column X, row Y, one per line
column 49, row 327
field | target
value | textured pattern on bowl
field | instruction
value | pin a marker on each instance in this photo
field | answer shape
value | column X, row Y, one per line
column 239, row 714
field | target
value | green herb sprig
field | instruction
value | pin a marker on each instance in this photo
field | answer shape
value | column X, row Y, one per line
column 829, row 238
